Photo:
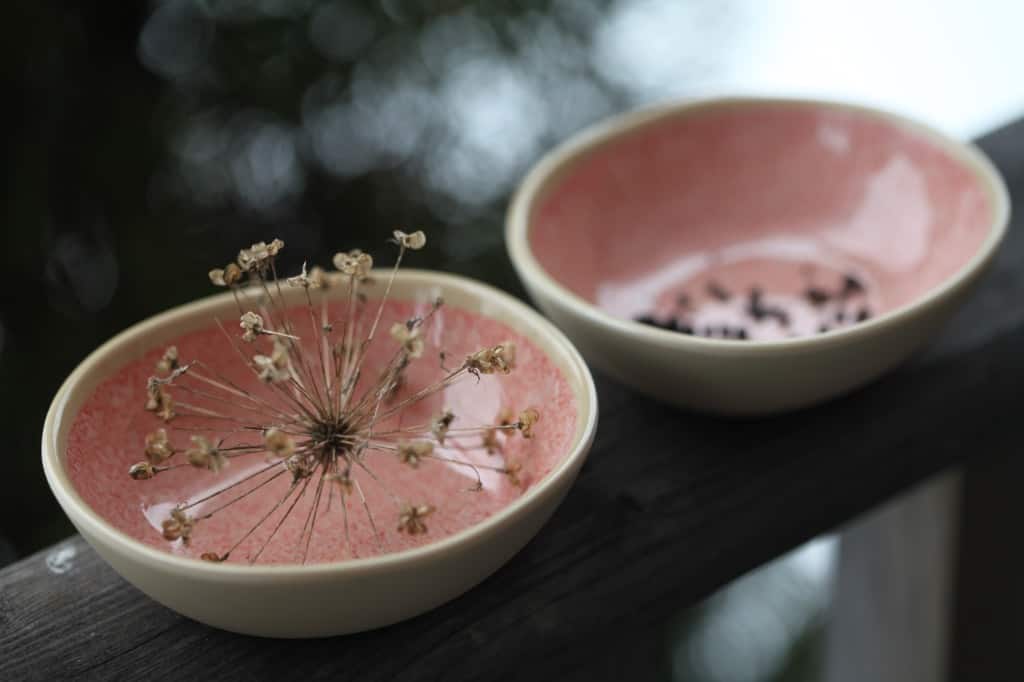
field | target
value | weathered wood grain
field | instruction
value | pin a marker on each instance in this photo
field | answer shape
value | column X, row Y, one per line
column 669, row 507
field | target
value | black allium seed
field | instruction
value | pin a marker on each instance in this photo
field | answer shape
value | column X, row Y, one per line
column 851, row 285
column 816, row 296
column 823, row 328
column 741, row 333
column 863, row 314
column 716, row 290
column 755, row 307
column 684, row 329
column 840, row 316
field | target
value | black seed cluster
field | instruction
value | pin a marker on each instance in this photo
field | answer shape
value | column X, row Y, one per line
column 759, row 310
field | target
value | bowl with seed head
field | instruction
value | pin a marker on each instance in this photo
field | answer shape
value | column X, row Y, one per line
column 749, row 256
column 322, row 451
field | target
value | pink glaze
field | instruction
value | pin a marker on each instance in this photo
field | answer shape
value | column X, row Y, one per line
column 107, row 435
column 777, row 195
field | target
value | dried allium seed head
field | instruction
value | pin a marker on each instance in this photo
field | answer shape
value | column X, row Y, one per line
column 153, row 388
column 178, row 526
column 489, row 361
column 410, row 519
column 409, row 337
column 414, row 242
column 158, row 448
column 355, row 263
column 272, row 369
column 527, row 419
column 439, row 427
column 158, row 400
column 252, row 323
column 411, row 452
column 513, row 471
column 300, row 467
column 257, row 257
column 204, row 455
column 169, row 361
column 278, row 443
column 142, row 471
column 227, row 276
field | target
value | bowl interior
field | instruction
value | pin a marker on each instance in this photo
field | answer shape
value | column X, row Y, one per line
column 781, row 218
column 108, row 428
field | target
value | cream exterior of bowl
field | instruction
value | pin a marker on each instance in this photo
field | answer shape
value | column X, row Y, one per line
column 325, row 599
column 731, row 377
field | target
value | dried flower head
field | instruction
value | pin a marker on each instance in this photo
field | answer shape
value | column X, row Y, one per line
column 205, row 455
column 169, row 361
column 411, row 452
column 408, row 337
column 257, row 257
column 439, row 427
column 489, row 361
column 315, row 412
column 141, row 471
column 275, row 367
column 410, row 519
column 513, row 471
column 355, row 263
column 158, row 448
column 527, row 419
column 252, row 324
column 158, row 400
column 279, row 443
column 414, row 242
column 178, row 526
column 227, row 276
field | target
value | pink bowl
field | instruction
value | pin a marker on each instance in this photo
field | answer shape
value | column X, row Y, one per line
column 108, row 429
column 760, row 228
column 95, row 428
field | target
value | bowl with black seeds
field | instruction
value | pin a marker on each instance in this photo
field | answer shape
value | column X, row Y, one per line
column 751, row 256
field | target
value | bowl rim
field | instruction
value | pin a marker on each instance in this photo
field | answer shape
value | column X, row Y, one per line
column 560, row 159
column 559, row 477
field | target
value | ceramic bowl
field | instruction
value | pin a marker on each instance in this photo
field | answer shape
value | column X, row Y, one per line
column 786, row 250
column 96, row 424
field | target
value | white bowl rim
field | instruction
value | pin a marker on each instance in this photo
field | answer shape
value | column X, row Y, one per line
column 517, row 224
column 81, row 512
